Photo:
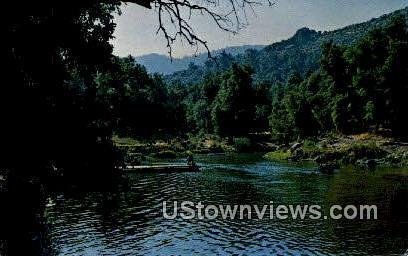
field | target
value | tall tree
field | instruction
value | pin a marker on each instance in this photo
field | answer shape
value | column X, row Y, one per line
column 233, row 109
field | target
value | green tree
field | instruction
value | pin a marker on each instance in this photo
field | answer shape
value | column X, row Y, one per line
column 233, row 109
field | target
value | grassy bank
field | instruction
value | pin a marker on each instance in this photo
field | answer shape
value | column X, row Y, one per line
column 135, row 151
column 362, row 150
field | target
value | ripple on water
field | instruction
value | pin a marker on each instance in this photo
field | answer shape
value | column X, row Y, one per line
column 131, row 223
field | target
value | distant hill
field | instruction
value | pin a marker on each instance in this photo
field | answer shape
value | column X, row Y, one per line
column 157, row 63
column 277, row 61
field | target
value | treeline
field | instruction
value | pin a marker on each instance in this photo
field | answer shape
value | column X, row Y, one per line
column 275, row 63
column 229, row 104
column 357, row 88
column 142, row 105
column 139, row 104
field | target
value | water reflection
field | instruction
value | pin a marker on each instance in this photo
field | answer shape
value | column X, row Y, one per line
column 129, row 222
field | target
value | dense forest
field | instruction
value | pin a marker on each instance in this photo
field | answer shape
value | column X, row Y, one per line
column 276, row 62
column 355, row 89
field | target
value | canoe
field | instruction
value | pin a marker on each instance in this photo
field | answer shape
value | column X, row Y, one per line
column 161, row 168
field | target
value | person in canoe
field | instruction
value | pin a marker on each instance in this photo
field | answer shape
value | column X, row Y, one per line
column 190, row 161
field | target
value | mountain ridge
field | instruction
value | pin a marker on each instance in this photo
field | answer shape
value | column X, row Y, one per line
column 277, row 61
column 160, row 63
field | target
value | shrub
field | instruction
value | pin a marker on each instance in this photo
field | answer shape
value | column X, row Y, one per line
column 242, row 144
column 278, row 155
column 311, row 148
column 363, row 151
column 133, row 158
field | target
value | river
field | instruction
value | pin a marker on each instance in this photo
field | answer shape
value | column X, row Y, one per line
column 130, row 221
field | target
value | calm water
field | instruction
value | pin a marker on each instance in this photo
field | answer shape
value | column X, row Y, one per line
column 130, row 222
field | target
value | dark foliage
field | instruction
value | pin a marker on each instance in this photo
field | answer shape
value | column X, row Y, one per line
column 357, row 89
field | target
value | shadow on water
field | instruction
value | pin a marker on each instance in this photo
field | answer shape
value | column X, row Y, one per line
column 21, row 222
column 129, row 221
column 24, row 199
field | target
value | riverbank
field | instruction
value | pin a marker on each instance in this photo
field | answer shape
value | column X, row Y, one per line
column 365, row 150
column 135, row 151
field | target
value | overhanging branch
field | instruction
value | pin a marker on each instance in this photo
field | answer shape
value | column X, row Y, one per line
column 174, row 17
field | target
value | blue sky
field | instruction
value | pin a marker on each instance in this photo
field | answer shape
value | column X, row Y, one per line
column 136, row 27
